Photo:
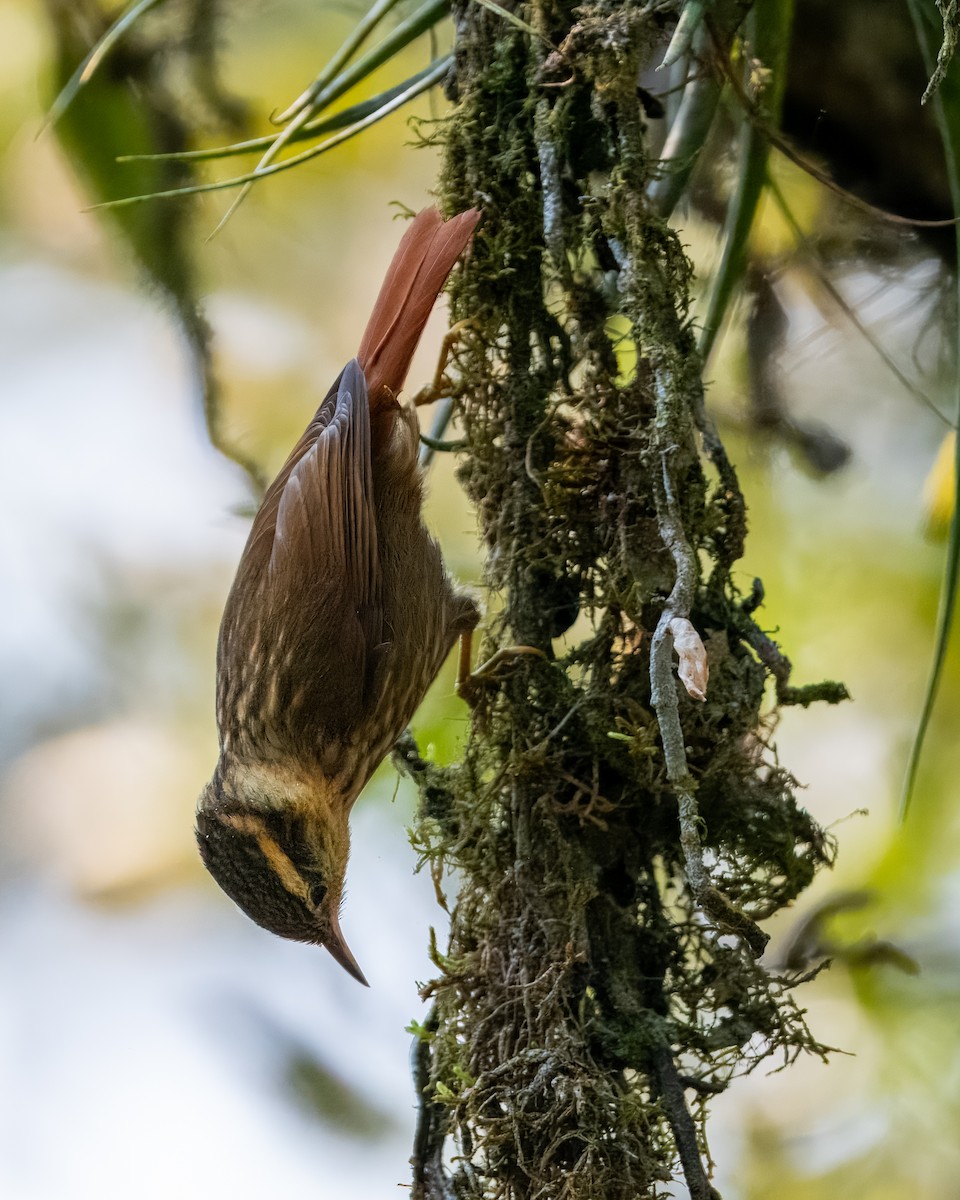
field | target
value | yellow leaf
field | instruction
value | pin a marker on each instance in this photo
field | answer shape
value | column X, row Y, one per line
column 939, row 490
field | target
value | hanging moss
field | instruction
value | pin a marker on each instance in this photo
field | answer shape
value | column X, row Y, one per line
column 616, row 841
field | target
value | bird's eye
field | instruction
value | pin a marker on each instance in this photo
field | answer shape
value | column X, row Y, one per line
column 317, row 893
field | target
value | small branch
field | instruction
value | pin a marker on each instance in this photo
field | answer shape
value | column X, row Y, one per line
column 551, row 185
column 429, row 1177
column 663, row 694
column 682, row 1123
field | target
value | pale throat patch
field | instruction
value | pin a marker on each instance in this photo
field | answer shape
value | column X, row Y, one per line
column 280, row 864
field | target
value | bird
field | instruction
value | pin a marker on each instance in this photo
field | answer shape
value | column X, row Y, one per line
column 339, row 619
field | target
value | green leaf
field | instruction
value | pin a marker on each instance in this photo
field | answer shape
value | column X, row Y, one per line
column 361, row 31
column 429, row 76
column 406, row 32
column 691, row 18
column 89, row 64
column 426, row 81
column 769, row 39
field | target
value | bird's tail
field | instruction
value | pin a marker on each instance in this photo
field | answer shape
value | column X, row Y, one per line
column 419, row 269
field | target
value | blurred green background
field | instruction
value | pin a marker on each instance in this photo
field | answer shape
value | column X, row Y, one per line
column 153, row 1042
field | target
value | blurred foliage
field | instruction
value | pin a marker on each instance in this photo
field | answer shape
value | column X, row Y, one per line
column 944, row 88
column 132, row 106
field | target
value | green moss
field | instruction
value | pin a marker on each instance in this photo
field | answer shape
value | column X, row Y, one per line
column 587, row 991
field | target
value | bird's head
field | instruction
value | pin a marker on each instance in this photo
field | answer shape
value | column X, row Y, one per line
column 282, row 862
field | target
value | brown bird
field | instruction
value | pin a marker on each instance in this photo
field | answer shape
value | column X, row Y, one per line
column 339, row 619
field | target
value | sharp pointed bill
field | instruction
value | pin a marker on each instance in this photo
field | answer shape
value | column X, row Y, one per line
column 341, row 951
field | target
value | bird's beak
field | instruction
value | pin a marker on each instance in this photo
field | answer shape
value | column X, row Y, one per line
column 341, row 951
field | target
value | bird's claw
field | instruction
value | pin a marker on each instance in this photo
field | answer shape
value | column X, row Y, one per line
column 441, row 385
column 470, row 684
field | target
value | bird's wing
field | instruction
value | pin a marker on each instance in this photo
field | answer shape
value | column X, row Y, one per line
column 326, row 521
column 303, row 623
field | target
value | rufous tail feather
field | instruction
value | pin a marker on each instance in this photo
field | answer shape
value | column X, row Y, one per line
column 419, row 269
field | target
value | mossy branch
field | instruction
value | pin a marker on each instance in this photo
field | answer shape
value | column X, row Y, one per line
column 616, row 840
